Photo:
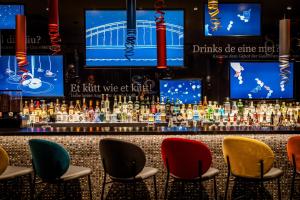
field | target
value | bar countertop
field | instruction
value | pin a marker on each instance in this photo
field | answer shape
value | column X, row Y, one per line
column 146, row 130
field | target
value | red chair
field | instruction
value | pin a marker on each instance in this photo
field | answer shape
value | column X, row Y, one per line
column 293, row 150
column 188, row 160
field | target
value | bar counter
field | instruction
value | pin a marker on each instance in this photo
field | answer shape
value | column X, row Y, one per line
column 83, row 146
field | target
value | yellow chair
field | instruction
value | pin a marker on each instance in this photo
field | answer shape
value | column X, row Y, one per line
column 250, row 159
column 8, row 172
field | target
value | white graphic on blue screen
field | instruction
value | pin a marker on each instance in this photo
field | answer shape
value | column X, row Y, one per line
column 182, row 91
column 8, row 15
column 44, row 76
column 106, row 37
column 236, row 20
column 258, row 80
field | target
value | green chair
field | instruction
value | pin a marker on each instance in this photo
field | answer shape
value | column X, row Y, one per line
column 51, row 163
column 8, row 172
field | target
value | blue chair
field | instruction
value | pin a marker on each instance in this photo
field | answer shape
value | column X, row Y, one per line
column 51, row 163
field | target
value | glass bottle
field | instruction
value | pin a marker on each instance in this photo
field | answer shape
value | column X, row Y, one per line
column 91, row 112
column 26, row 109
column 227, row 106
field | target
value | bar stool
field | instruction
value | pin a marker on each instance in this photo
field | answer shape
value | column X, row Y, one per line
column 250, row 160
column 124, row 162
column 188, row 160
column 293, row 150
column 51, row 163
column 8, row 172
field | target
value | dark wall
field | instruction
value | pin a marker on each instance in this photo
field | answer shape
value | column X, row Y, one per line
column 212, row 69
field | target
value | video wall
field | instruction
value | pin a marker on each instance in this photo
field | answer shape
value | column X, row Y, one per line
column 44, row 77
column 8, row 15
column 106, row 37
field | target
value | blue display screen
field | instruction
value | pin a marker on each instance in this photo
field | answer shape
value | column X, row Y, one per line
column 106, row 37
column 44, row 76
column 236, row 20
column 259, row 80
column 8, row 15
column 186, row 91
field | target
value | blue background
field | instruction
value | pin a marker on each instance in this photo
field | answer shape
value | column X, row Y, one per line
column 51, row 86
column 116, row 56
column 267, row 72
column 186, row 94
column 229, row 12
column 8, row 15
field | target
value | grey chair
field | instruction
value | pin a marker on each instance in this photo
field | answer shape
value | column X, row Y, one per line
column 124, row 162
column 8, row 172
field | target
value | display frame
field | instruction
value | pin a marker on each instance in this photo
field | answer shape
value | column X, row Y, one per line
column 133, row 67
column 234, row 36
column 63, row 79
column 262, row 99
column 184, row 79
column 14, row 3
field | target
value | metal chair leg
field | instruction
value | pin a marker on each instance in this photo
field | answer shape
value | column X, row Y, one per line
column 65, row 190
column 155, row 188
column 226, row 189
column 279, row 188
column 182, row 190
column 292, row 186
column 30, row 186
column 166, row 187
column 134, row 190
column 215, row 188
column 103, row 187
column 90, row 187
column 32, row 189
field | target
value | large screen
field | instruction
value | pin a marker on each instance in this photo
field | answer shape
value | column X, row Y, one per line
column 44, row 76
column 237, row 19
column 259, row 80
column 186, row 91
column 106, row 36
column 8, row 15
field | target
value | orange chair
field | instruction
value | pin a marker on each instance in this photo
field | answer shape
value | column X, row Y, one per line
column 293, row 150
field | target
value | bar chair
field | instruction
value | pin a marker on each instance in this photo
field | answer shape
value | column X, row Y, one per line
column 51, row 163
column 124, row 162
column 250, row 160
column 8, row 172
column 188, row 160
column 293, row 150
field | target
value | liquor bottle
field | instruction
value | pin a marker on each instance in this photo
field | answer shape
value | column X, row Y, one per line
column 125, row 105
column 51, row 109
column 91, row 112
column 107, row 104
column 277, row 106
column 57, row 111
column 162, row 106
column 64, row 112
column 240, row 107
column 251, row 108
column 283, row 108
column 31, row 107
column 97, row 111
column 153, row 106
column 195, row 112
column 234, row 108
column 210, row 112
column 102, row 105
column 227, row 106
column 204, row 102
column 71, row 112
column 168, row 106
column 157, row 105
column 26, row 109
column 130, row 104
column 189, row 112
column 57, row 106
column 183, row 112
column 44, row 114
column 38, row 112
column 137, row 103
column 115, row 105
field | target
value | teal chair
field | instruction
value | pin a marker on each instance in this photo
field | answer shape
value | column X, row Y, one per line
column 51, row 163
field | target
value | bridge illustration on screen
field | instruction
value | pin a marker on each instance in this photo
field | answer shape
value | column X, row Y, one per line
column 105, row 42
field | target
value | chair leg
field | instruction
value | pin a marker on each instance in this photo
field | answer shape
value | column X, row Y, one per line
column 155, row 188
column 279, row 188
column 103, row 187
column 292, row 186
column 200, row 190
column 30, row 186
column 32, row 189
column 182, row 190
column 166, row 187
column 90, row 187
column 215, row 188
column 65, row 190
column 226, row 189
column 134, row 190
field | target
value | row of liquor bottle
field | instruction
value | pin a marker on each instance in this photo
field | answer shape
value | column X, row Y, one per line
column 151, row 110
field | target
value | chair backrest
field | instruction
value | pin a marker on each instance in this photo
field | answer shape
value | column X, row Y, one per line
column 50, row 160
column 293, row 148
column 4, row 160
column 245, row 156
column 121, row 159
column 183, row 156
